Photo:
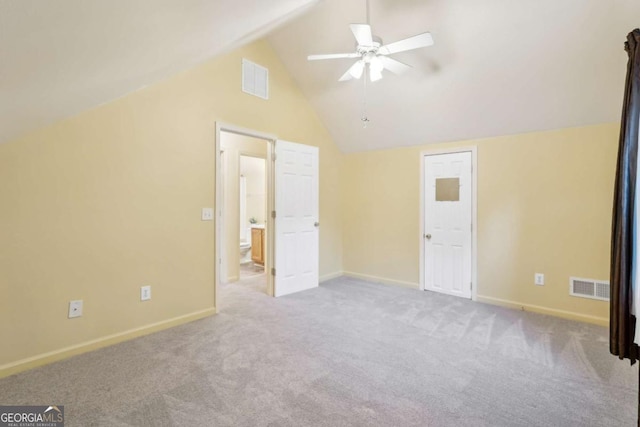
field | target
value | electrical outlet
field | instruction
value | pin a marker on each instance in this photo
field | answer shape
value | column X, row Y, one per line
column 207, row 214
column 75, row 308
column 145, row 293
column 538, row 279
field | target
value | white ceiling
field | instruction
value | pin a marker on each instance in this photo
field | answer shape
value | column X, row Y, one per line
column 498, row 66
column 61, row 57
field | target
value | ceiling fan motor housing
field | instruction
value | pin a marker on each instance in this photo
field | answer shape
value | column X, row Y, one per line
column 364, row 49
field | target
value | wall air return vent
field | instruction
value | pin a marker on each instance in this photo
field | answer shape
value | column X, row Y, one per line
column 255, row 79
column 589, row 288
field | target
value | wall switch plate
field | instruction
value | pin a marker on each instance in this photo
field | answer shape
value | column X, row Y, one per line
column 75, row 308
column 207, row 214
column 145, row 293
column 538, row 279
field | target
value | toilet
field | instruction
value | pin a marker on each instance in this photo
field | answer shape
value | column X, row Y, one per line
column 245, row 249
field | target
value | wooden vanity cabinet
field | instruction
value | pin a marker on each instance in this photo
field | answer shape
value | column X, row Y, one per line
column 257, row 245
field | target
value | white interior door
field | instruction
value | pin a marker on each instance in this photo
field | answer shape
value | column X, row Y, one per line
column 447, row 223
column 296, row 223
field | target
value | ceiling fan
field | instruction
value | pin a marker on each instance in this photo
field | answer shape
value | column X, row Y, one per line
column 373, row 54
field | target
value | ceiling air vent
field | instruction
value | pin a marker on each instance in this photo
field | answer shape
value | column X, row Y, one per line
column 255, row 79
column 589, row 288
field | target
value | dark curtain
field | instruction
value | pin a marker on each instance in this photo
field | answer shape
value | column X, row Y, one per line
column 622, row 322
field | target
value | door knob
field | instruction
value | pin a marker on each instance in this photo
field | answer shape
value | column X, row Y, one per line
column 427, row 236
column 316, row 224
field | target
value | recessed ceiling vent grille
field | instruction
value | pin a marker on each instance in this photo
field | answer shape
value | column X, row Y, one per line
column 589, row 288
column 255, row 79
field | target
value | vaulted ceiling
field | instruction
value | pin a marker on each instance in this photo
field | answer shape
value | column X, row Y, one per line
column 497, row 67
column 61, row 57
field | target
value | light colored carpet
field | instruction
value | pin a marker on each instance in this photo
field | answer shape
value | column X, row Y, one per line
column 349, row 353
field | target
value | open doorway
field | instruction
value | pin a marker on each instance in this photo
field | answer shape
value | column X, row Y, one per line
column 243, row 203
column 287, row 240
column 253, row 214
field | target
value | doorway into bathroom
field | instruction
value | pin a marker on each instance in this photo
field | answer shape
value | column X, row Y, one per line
column 284, row 242
column 253, row 212
column 243, row 219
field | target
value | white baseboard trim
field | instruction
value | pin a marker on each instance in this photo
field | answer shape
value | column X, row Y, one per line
column 66, row 352
column 602, row 321
column 382, row 280
column 330, row 276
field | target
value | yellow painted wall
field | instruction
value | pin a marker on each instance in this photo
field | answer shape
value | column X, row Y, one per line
column 544, row 205
column 96, row 206
column 234, row 145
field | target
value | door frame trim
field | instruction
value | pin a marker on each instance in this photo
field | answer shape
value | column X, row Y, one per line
column 473, row 149
column 219, row 203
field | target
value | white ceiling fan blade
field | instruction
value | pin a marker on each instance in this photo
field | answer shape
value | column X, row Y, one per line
column 362, row 33
column 333, row 56
column 393, row 65
column 415, row 42
column 346, row 76
column 354, row 72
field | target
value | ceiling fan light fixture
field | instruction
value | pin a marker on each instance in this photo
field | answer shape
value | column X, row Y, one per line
column 375, row 69
column 376, row 64
column 375, row 74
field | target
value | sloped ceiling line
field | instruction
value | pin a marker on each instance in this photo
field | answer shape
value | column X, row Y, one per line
column 59, row 58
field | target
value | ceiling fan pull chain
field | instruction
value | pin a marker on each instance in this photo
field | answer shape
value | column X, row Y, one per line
column 364, row 118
